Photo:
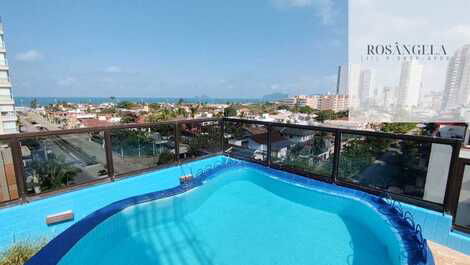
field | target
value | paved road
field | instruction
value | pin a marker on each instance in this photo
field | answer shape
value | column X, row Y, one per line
column 80, row 148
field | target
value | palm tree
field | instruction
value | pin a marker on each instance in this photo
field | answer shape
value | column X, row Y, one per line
column 194, row 109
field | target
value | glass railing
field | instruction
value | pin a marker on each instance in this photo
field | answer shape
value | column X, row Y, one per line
column 246, row 140
column 407, row 167
column 135, row 149
column 310, row 151
column 54, row 162
column 414, row 169
column 197, row 139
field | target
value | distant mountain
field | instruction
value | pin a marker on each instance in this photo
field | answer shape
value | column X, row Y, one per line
column 274, row 96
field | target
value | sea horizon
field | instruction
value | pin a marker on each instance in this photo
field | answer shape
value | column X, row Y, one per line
column 23, row 101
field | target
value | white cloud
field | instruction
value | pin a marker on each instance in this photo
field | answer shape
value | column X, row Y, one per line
column 113, row 69
column 29, row 56
column 324, row 9
column 68, row 81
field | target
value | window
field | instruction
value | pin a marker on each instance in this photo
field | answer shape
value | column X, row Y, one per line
column 3, row 75
column 3, row 60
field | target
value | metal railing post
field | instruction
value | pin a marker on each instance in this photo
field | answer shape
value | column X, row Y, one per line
column 453, row 185
column 108, row 145
column 17, row 158
column 177, row 141
column 222, row 137
column 269, row 135
column 336, row 155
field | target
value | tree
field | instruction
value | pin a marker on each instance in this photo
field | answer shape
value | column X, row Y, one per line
column 194, row 109
column 153, row 118
column 230, row 112
column 129, row 118
column 34, row 103
column 325, row 115
column 53, row 172
column 125, row 104
column 305, row 109
column 398, row 127
column 154, row 106
column 180, row 101
column 165, row 158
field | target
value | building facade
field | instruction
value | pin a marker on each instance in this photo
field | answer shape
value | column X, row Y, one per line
column 457, row 87
column 8, row 119
column 333, row 102
column 409, row 89
column 366, row 87
column 355, row 83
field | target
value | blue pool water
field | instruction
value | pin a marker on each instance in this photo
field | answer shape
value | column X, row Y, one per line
column 242, row 216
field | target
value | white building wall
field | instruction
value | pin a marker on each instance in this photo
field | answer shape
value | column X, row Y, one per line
column 366, row 88
column 410, row 84
column 354, row 76
column 457, row 86
column 7, row 104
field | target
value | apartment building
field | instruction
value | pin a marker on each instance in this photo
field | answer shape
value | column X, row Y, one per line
column 320, row 102
column 7, row 104
column 333, row 102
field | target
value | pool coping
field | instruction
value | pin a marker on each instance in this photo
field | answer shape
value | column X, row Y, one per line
column 59, row 246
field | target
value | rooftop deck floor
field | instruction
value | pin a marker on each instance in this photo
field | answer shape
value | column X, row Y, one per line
column 446, row 256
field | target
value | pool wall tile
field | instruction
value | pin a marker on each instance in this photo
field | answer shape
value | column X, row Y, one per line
column 27, row 221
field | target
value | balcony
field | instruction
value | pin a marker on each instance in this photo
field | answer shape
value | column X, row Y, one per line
column 421, row 172
column 9, row 117
column 5, row 83
column 6, row 100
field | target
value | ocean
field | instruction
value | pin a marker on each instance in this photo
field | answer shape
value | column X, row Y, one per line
column 44, row 101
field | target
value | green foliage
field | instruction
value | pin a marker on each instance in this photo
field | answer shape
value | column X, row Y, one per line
column 125, row 104
column 54, row 172
column 305, row 109
column 165, row 158
column 194, row 109
column 230, row 112
column 154, row 106
column 325, row 115
column 429, row 129
column 34, row 103
column 153, row 118
column 111, row 110
column 20, row 252
column 128, row 118
column 398, row 127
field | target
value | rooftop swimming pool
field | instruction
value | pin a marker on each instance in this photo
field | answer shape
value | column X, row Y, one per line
column 241, row 213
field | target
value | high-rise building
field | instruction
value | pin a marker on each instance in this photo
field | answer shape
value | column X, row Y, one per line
column 388, row 97
column 366, row 87
column 342, row 80
column 409, row 89
column 349, row 82
column 7, row 104
column 457, row 87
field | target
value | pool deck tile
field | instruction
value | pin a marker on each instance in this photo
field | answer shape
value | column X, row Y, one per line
column 446, row 256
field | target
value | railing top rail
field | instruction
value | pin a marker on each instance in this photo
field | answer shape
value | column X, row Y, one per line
column 427, row 139
column 97, row 129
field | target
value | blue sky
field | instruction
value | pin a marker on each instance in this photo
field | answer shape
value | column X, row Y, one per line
column 153, row 48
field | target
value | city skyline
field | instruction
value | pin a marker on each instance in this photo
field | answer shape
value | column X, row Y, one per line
column 239, row 49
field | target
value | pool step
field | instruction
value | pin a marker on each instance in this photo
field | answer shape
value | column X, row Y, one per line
column 59, row 217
